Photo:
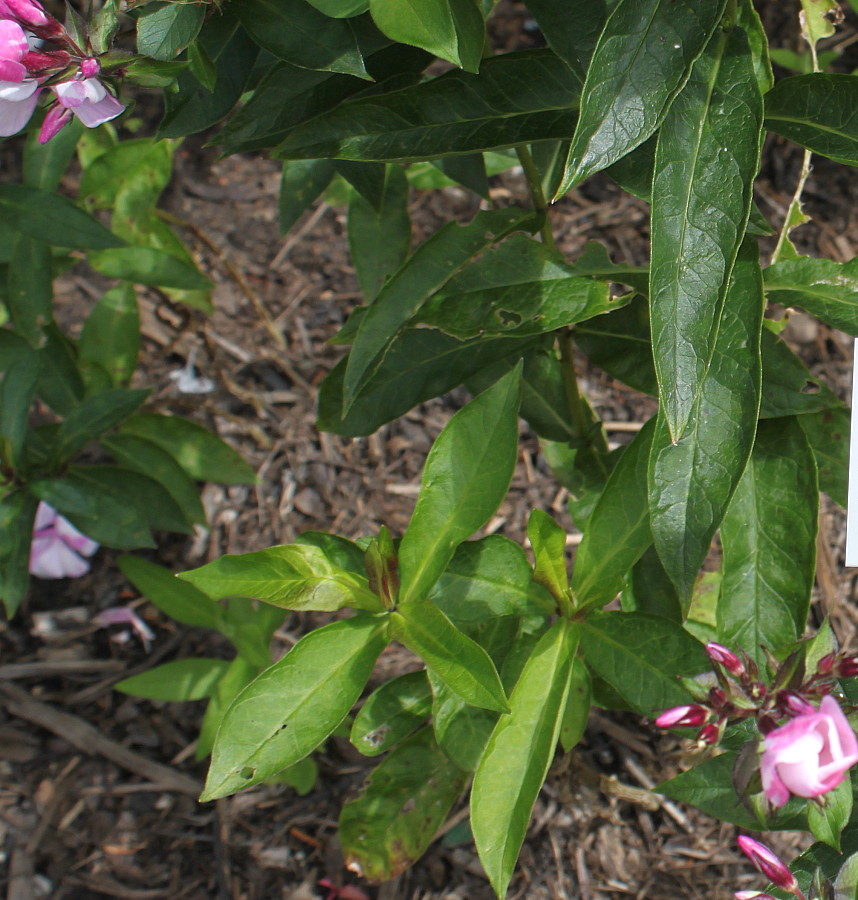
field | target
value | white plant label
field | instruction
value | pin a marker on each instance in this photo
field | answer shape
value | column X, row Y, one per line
column 852, row 505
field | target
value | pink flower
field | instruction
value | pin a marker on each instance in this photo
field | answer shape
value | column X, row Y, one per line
column 125, row 615
column 682, row 715
column 58, row 548
column 808, row 756
column 33, row 16
column 767, row 862
column 719, row 654
column 752, row 895
column 87, row 98
column 18, row 93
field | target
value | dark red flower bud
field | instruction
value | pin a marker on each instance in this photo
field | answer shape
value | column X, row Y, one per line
column 826, row 665
column 847, row 667
column 719, row 654
column 37, row 61
column 766, row 862
column 796, row 705
column 717, row 698
column 709, row 734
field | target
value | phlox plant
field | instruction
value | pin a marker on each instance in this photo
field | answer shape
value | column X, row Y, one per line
column 671, row 99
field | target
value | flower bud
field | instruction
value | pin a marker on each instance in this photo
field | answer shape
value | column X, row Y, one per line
column 38, row 62
column 717, row 698
column 709, row 734
column 90, row 67
column 796, row 705
column 682, row 715
column 847, row 667
column 767, row 863
column 752, row 895
column 825, row 666
column 719, row 654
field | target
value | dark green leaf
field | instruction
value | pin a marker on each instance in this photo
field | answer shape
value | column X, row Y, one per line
column 404, row 803
column 467, row 474
column 164, row 31
column 519, row 752
column 827, row 821
column 173, row 597
column 147, row 265
column 111, row 334
column 453, row 114
column 458, row 661
column 94, row 416
column 60, row 386
column 17, row 513
column 642, row 59
column 640, row 656
column 819, row 112
column 392, row 712
column 302, row 182
column 469, row 170
column 30, row 291
column 341, row 9
column 827, row 432
column 571, row 28
column 45, row 164
column 826, row 289
column 17, row 391
column 294, row 576
column 706, row 159
column 691, row 482
column 768, row 539
column 285, row 713
column 184, row 679
column 649, row 589
column 789, row 388
column 203, row 455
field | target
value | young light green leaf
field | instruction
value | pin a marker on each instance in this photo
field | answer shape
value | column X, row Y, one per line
column 516, row 760
column 577, row 712
column 392, row 712
column 405, row 802
column 768, row 539
column 449, row 115
column 111, row 334
column 691, row 482
column 640, row 657
column 827, row 432
column 451, row 29
column 548, row 541
column 183, row 679
column 240, row 673
column 294, row 576
column 618, row 532
column 467, row 474
column 827, row 821
column 462, row 731
column 459, row 662
column 642, row 59
column 285, row 713
column 173, row 597
column 706, row 159
column 825, row 288
column 431, row 266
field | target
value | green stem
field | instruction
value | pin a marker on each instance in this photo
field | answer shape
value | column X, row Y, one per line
column 580, row 419
column 537, row 195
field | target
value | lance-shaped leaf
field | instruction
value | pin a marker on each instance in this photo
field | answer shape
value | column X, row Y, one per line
column 707, row 156
column 571, row 28
column 818, row 111
column 17, row 512
column 111, row 334
column 431, row 266
column 294, row 576
column 789, row 387
column 405, row 801
column 577, row 712
column 827, row 432
column 178, row 681
column 691, row 482
column 240, row 673
column 641, row 61
column 825, row 288
column 769, row 543
column 827, row 822
column 17, row 391
column 466, row 476
column 459, row 662
column 285, row 713
column 618, row 532
column 640, row 656
column 462, row 731
column 453, row 114
column 93, row 416
column 516, row 760
column 392, row 712
column 548, row 541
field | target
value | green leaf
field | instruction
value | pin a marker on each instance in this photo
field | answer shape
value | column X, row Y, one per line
column 486, row 579
column 451, row 29
column 341, row 9
column 295, row 31
column 173, row 597
column 148, row 265
column 449, row 115
column 428, row 270
column 577, row 712
column 640, row 657
column 52, row 218
column 342, row 553
column 467, row 474
column 240, row 673
column 768, row 539
column 404, row 803
column 45, row 164
column 468, row 170
column 618, row 532
column 293, row 576
column 548, row 541
column 827, row 821
column 641, row 61
column 649, row 589
column 706, row 159
column 149, row 459
column 17, row 392
column 827, row 432
column 846, row 884
column 571, row 28
column 520, row 287
column 825, row 288
column 301, row 184
column 17, row 514
column 462, row 731
column 392, row 712
column 164, row 31
column 789, row 388
column 422, row 363
column 94, row 416
column 30, row 291
column 380, row 238
column 184, row 679
column 367, row 178
column 691, row 482
column 458, row 661
column 111, row 334
column 203, row 455
column 516, row 760
column 285, row 713
column 60, row 386
column 819, row 112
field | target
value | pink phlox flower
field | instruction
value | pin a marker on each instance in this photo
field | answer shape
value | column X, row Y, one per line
column 86, row 98
column 32, row 15
column 58, row 548
column 808, row 756
column 752, row 895
column 767, row 862
column 692, row 715
column 125, row 615
column 18, row 93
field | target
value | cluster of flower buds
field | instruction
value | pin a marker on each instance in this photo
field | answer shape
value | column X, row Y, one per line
column 767, row 862
column 806, row 749
column 67, row 71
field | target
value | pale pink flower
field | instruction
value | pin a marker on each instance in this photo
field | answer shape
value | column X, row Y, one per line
column 808, row 756
column 58, row 548
column 18, row 92
column 125, row 615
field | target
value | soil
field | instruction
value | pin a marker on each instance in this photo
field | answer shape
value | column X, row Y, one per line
column 82, row 818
